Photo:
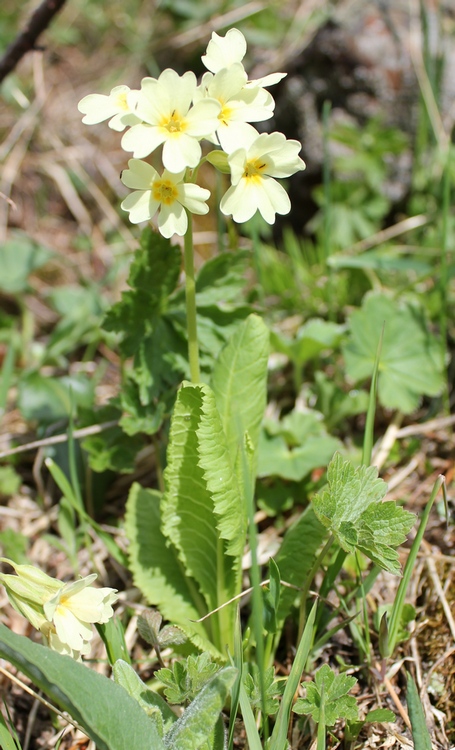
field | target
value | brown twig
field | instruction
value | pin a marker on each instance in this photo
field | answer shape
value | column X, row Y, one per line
column 26, row 40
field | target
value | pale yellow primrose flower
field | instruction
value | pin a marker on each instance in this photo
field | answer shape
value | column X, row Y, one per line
column 168, row 193
column 240, row 105
column 222, row 52
column 164, row 106
column 63, row 612
column 252, row 168
column 118, row 105
column 75, row 607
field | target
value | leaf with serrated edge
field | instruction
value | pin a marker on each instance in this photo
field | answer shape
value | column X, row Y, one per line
column 351, row 508
column 202, row 502
column 156, row 569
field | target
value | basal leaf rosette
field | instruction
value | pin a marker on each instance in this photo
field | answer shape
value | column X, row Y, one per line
column 352, row 508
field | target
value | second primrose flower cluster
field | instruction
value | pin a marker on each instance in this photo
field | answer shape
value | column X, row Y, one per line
column 176, row 113
column 63, row 612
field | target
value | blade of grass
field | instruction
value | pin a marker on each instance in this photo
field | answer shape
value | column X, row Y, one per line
column 368, row 438
column 420, row 734
column 397, row 608
column 7, row 374
column 65, row 488
column 278, row 740
column 254, row 741
column 6, row 740
column 236, row 661
column 256, row 596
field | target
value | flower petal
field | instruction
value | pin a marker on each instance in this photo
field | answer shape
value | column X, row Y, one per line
column 224, row 51
column 237, row 202
column 139, row 175
column 180, row 151
column 277, row 196
column 96, row 108
column 70, row 629
column 141, row 206
column 193, row 197
column 233, row 134
column 142, row 140
column 172, row 220
column 202, row 119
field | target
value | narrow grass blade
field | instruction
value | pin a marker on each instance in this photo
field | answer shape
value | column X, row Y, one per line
column 7, row 374
column 6, row 740
column 237, row 662
column 278, row 740
column 420, row 734
column 256, row 596
column 368, row 438
column 254, row 741
column 65, row 488
column 398, row 603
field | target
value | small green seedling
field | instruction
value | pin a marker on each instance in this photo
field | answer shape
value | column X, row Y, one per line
column 149, row 627
column 187, row 678
column 327, row 700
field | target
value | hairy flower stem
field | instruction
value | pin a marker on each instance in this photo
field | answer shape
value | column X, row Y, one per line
column 190, row 288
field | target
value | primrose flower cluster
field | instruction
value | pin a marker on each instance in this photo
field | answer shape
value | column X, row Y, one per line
column 176, row 113
column 62, row 612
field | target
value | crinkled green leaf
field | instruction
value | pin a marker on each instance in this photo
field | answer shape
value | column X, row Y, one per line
column 410, row 364
column 202, row 503
column 186, row 678
column 197, row 723
column 273, row 689
column 153, row 276
column 327, row 697
column 351, row 507
column 239, row 381
column 156, row 569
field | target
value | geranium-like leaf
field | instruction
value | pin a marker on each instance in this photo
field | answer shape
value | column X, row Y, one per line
column 410, row 364
column 327, row 697
column 351, row 507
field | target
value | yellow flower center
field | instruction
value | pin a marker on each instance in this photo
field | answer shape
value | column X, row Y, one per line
column 225, row 114
column 121, row 102
column 254, row 169
column 164, row 191
column 174, row 124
